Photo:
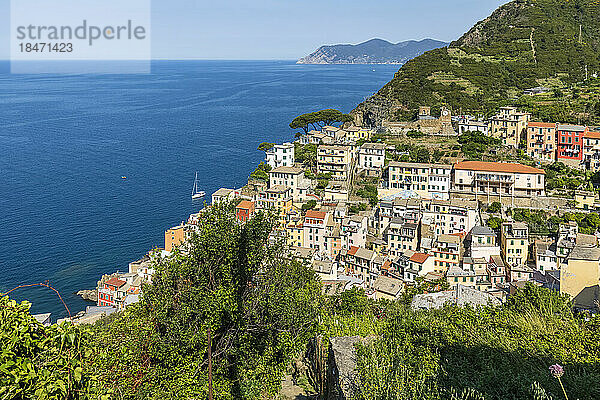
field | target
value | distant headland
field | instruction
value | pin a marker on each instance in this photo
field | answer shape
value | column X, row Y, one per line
column 374, row 51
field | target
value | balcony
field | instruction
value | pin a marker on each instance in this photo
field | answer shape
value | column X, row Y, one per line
column 494, row 178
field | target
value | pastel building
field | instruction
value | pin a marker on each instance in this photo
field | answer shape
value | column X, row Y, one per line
column 280, row 155
column 427, row 181
column 495, row 180
column 509, row 125
column 591, row 151
column 371, row 156
column 570, row 143
column 515, row 243
column 541, row 141
column 174, row 237
column 293, row 178
column 244, row 210
column 335, row 160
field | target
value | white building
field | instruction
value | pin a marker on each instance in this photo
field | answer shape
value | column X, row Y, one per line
column 492, row 180
column 280, row 155
column 484, row 243
column 354, row 231
column 428, row 181
column 467, row 123
column 450, row 216
column 293, row 178
column 371, row 156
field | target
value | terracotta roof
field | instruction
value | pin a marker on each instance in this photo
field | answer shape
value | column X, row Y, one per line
column 541, row 125
column 352, row 251
column 246, row 205
column 592, row 135
column 419, row 257
column 114, row 281
column 315, row 214
column 497, row 167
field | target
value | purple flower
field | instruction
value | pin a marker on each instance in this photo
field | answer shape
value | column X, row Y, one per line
column 557, row 370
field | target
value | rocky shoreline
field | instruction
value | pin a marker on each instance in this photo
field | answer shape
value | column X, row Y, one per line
column 88, row 295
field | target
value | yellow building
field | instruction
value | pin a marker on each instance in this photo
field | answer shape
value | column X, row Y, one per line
column 336, row 160
column 514, row 244
column 585, row 200
column 174, row 237
column 355, row 133
column 295, row 232
column 580, row 275
column 509, row 125
column 277, row 198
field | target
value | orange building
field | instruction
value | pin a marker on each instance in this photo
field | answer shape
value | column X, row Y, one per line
column 244, row 210
column 174, row 237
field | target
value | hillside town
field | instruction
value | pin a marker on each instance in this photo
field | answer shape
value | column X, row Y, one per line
column 363, row 220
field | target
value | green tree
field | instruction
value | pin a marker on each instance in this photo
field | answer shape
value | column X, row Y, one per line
column 39, row 362
column 231, row 283
column 494, row 208
column 264, row 146
column 261, row 172
column 319, row 119
column 495, row 223
column 309, row 205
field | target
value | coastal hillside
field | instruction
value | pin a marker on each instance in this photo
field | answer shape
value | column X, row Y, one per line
column 374, row 51
column 523, row 44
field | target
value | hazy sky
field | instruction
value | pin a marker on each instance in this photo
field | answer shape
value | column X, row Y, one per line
column 289, row 29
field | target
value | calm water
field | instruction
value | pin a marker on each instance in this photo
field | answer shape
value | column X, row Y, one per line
column 65, row 141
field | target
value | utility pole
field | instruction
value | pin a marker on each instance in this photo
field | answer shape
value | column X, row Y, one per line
column 579, row 33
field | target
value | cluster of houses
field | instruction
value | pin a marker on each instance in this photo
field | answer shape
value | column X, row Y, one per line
column 427, row 223
column 574, row 145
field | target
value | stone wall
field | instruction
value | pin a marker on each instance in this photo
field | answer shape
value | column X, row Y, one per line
column 537, row 202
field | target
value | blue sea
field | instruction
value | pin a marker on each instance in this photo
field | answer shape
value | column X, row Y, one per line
column 65, row 141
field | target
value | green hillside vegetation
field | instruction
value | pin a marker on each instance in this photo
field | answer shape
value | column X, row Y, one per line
column 263, row 312
column 523, row 44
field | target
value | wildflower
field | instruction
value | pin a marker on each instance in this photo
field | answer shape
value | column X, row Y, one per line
column 557, row 370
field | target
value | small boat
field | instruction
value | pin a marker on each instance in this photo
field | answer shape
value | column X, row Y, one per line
column 123, row 177
column 197, row 194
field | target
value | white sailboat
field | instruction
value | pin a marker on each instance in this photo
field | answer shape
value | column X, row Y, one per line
column 197, row 194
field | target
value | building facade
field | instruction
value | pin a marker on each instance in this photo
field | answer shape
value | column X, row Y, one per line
column 335, row 160
column 495, row 180
column 509, row 125
column 570, row 143
column 280, row 155
column 541, row 141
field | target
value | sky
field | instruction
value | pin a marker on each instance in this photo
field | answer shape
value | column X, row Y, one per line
column 290, row 29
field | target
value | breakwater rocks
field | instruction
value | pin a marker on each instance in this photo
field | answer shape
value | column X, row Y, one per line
column 89, row 295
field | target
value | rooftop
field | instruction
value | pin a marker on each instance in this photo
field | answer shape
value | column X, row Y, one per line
column 314, row 214
column 497, row 167
column 245, row 205
column 388, row 285
column 419, row 258
column 287, row 170
column 482, row 231
column 585, row 253
column 541, row 125
column 571, row 128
